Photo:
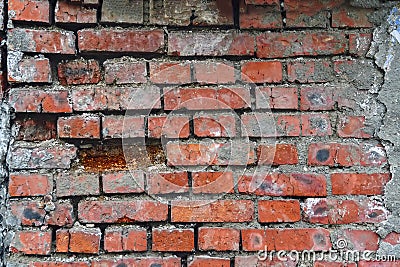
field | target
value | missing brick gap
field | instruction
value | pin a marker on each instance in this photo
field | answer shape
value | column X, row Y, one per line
column 283, row 13
column 236, row 13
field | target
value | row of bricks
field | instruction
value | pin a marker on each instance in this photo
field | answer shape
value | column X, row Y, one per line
column 25, row 184
column 311, row 210
column 236, row 153
column 314, row 98
column 221, row 125
column 189, row 43
column 87, row 240
column 126, row 71
column 252, row 15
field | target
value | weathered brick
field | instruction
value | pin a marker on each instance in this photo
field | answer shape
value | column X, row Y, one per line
column 221, row 125
column 180, row 240
column 123, row 126
column 68, row 12
column 121, row 211
column 292, row 184
column 310, row 71
column 125, row 239
column 353, row 126
column 262, row 71
column 45, row 155
column 334, row 264
column 219, row 239
column 352, row 17
column 62, row 240
column 79, row 72
column 62, row 215
column 121, row 40
column 228, row 43
column 31, row 242
column 290, row 44
column 84, row 240
column 217, row 211
column 210, row 72
column 125, row 71
column 166, row 183
column 149, row 261
column 201, row 261
column 307, row 18
column 381, row 264
column 359, row 43
column 256, row 261
column 278, row 154
column 393, row 238
column 28, row 69
column 270, row 211
column 207, row 98
column 58, row 264
column 260, row 17
column 77, row 184
column 168, row 126
column 360, row 240
column 276, row 98
column 194, row 154
column 28, row 212
column 35, row 129
column 30, row 184
column 41, row 41
column 123, row 182
column 288, row 125
column 24, row 10
column 317, row 98
column 79, row 126
column 170, row 72
column 212, row 182
column 267, row 125
column 359, row 183
column 316, row 125
column 40, row 101
column 122, row 11
column 272, row 3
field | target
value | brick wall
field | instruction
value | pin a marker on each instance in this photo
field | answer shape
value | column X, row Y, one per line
column 193, row 133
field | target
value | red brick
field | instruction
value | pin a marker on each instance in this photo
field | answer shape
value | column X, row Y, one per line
column 317, row 98
column 166, row 183
column 310, row 71
column 359, row 183
column 316, row 239
column 36, row 129
column 77, row 184
column 123, row 126
column 393, row 238
column 260, row 17
column 45, row 155
column 360, row 240
column 203, row 261
column 125, row 71
column 179, row 240
column 210, row 72
column 316, row 125
column 120, row 40
column 279, row 154
column 288, row 125
column 62, row 215
column 333, row 211
column 41, row 41
column 212, row 182
column 67, row 12
column 267, row 125
column 378, row 264
column 162, row 261
column 123, row 182
column 31, row 243
column 353, row 17
column 333, row 264
column 170, row 72
column 28, row 70
column 116, row 98
column 292, row 184
column 352, row 126
column 168, row 126
column 359, row 43
column 62, row 241
column 79, row 72
column 229, row 43
column 322, row 154
column 255, row 261
column 40, row 101
column 121, row 211
column 270, row 211
column 262, row 71
column 220, row 125
column 291, row 44
column 219, row 239
column 125, row 239
column 272, row 3
column 312, row 5
column 80, row 126
column 207, row 98
column 58, row 264
column 30, row 184
column 194, row 154
column 309, row 18
column 85, row 240
column 28, row 212
column 276, row 98
column 24, row 10
column 217, row 211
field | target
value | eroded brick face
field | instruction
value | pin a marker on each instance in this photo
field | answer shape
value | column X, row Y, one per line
column 192, row 133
